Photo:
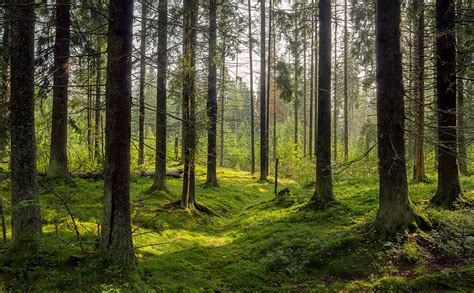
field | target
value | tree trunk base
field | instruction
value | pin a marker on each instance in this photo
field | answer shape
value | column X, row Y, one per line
column 391, row 221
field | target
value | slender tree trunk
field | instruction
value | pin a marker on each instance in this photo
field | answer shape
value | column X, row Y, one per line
column 395, row 211
column 269, row 71
column 449, row 187
column 223, row 93
column 116, row 241
column 5, row 86
column 211, row 179
column 252, row 119
column 274, row 98
column 296, row 94
column 419, row 173
column 346, row 89
column 58, row 162
column 323, row 192
column 304, row 82
column 316, row 81
column 141, row 116
column 335, row 109
column 190, row 8
column 90, row 139
column 98, row 113
column 26, row 218
column 159, row 182
column 311, row 83
column 263, row 104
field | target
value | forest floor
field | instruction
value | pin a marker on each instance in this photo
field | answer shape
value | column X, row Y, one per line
column 249, row 241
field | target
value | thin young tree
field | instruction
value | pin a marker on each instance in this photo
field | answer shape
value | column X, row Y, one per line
column 58, row 161
column 323, row 193
column 419, row 173
column 335, row 104
column 159, row 182
column 26, row 218
column 449, row 187
column 252, row 118
column 190, row 8
column 211, row 178
column 98, row 136
column 263, row 100
column 142, row 85
column 395, row 208
column 346, row 88
column 116, row 239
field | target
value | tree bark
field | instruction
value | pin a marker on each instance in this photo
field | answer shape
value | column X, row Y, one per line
column 346, row 89
column 58, row 161
column 263, row 106
column 449, row 187
column 5, row 86
column 141, row 116
column 211, row 178
column 419, row 173
column 116, row 241
column 190, row 8
column 223, row 93
column 395, row 211
column 97, row 107
column 323, row 192
column 252, row 118
column 159, row 182
column 26, row 218
column 335, row 105
column 311, row 84
column 304, row 82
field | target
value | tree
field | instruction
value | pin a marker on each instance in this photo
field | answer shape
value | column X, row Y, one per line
column 26, row 222
column 263, row 104
column 190, row 8
column 449, row 187
column 346, row 90
column 5, row 86
column 323, row 192
column 141, row 116
column 252, row 119
column 98, row 138
column 58, row 162
column 116, row 240
column 211, row 179
column 419, row 173
column 159, row 182
column 335, row 104
column 395, row 208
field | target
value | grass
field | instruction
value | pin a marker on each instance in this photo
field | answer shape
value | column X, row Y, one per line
column 251, row 241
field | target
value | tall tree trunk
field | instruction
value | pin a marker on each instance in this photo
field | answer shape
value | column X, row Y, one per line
column 90, row 138
column 274, row 98
column 141, row 116
column 26, row 222
column 449, row 187
column 252, row 118
column 323, row 192
column 269, row 71
column 311, row 83
column 98, row 81
column 159, row 182
column 304, row 81
column 335, row 105
column 419, row 173
column 211, row 179
column 395, row 208
column 58, row 162
column 116, row 240
column 296, row 93
column 346, row 89
column 316, row 80
column 223, row 92
column 5, row 86
column 263, row 104
column 190, row 8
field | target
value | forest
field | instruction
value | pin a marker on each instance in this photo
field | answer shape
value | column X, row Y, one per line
column 231, row 145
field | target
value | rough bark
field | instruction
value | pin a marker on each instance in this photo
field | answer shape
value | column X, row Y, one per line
column 159, row 182
column 304, row 84
column 252, row 118
column 190, row 8
column 26, row 222
column 222, row 100
column 323, row 192
column 142, row 86
column 449, row 187
column 335, row 104
column 311, row 84
column 58, row 161
column 263, row 104
column 396, row 211
column 98, row 135
column 346, row 89
column 5, row 86
column 116, row 240
column 211, row 178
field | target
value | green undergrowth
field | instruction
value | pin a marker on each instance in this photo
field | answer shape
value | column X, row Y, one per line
column 249, row 240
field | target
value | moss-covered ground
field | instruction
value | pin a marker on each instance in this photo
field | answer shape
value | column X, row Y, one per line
column 249, row 241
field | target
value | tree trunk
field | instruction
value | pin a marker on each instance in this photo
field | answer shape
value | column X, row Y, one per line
column 58, row 162
column 346, row 93
column 5, row 86
column 223, row 90
column 311, row 84
column 269, row 77
column 335, row 105
column 26, row 222
column 395, row 211
column 323, row 192
column 116, row 241
column 252, row 119
column 296, row 87
column 190, row 8
column 141, row 117
column 263, row 106
column 419, row 173
column 98, row 81
column 159, row 182
column 449, row 188
column 211, row 179
column 304, row 81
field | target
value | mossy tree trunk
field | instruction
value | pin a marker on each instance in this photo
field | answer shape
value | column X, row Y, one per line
column 116, row 239
column 58, row 161
column 395, row 212
column 26, row 222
